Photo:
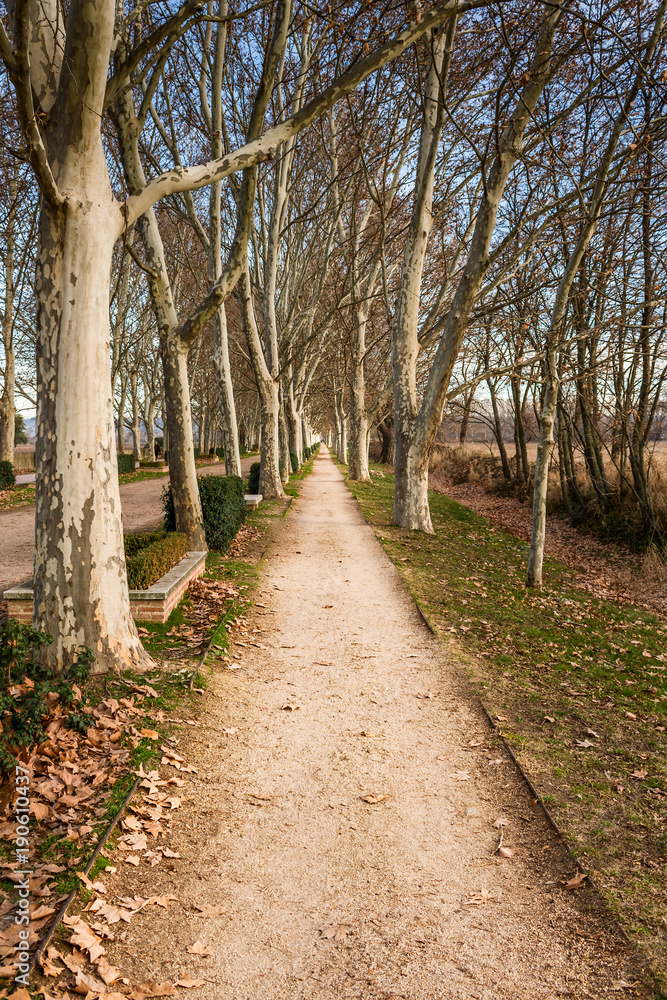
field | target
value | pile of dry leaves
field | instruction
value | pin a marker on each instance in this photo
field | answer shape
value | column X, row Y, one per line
column 246, row 534
column 71, row 775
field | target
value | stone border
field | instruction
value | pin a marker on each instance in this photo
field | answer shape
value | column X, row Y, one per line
column 152, row 605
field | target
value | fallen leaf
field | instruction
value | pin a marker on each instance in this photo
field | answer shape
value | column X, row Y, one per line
column 373, row 800
column 337, row 932
column 575, row 882
column 501, row 821
column 152, row 989
column 109, row 973
column 506, row 852
column 189, row 983
column 163, row 901
column 548, row 718
column 462, row 776
column 584, row 743
column 85, row 983
column 639, row 774
column 199, row 948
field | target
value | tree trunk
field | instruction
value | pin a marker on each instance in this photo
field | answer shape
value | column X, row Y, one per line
column 465, row 418
column 386, row 429
column 358, row 415
column 136, row 432
column 121, row 415
column 182, row 468
column 498, row 431
column 230, row 433
column 7, row 402
column 411, row 507
column 80, row 587
column 270, row 482
column 544, row 449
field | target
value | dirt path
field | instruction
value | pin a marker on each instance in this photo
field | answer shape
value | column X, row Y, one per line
column 142, row 511
column 343, row 694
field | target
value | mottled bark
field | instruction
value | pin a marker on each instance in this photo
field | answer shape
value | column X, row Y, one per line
column 270, row 482
column 80, row 584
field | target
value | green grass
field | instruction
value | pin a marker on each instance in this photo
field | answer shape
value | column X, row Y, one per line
column 565, row 655
column 20, row 496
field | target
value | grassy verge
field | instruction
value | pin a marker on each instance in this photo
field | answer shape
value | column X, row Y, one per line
column 577, row 684
column 17, row 496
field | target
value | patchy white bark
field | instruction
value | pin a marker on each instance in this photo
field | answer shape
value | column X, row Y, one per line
column 230, row 433
column 7, row 404
column 270, row 483
column 80, row 582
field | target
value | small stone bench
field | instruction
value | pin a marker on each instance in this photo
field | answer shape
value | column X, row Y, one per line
column 152, row 605
column 252, row 500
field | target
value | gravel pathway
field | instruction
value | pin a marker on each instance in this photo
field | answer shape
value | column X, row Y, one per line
column 343, row 811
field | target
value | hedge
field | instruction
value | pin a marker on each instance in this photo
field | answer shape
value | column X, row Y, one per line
column 220, row 452
column 223, row 506
column 153, row 560
column 7, row 477
column 140, row 540
column 253, row 478
column 125, row 463
column 294, row 460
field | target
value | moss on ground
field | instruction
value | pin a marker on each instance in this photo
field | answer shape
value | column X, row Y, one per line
column 577, row 683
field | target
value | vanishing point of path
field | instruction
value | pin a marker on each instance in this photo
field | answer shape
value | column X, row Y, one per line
column 341, row 694
column 142, row 511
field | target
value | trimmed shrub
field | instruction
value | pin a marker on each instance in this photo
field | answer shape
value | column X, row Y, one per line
column 7, row 477
column 154, row 560
column 253, row 478
column 197, row 452
column 294, row 460
column 220, row 452
column 125, row 463
column 140, row 540
column 307, row 453
column 223, row 506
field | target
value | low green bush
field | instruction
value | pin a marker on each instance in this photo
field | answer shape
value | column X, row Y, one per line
column 223, row 507
column 140, row 540
column 220, row 452
column 253, row 478
column 306, row 453
column 125, row 463
column 197, row 452
column 29, row 691
column 152, row 561
column 294, row 460
column 7, row 477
